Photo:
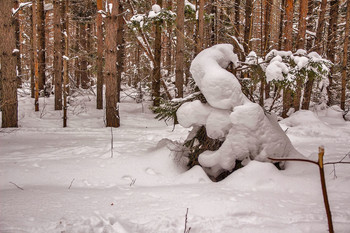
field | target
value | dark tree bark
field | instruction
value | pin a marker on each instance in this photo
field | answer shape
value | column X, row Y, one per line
column 345, row 56
column 179, row 80
column 84, row 79
column 100, row 48
column 281, row 24
column 310, row 23
column 41, row 43
column 248, row 25
column 9, row 103
column 331, row 44
column 200, row 35
column 18, row 46
column 156, row 76
column 320, row 28
column 58, row 54
column 66, row 63
column 302, row 24
column 111, row 68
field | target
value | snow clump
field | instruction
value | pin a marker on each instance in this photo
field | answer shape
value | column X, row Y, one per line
column 248, row 133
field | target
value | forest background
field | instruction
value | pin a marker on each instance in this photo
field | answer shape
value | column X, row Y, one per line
column 70, row 47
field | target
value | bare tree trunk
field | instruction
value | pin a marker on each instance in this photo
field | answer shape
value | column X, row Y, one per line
column 41, row 43
column 345, row 56
column 83, row 59
column 35, row 55
column 237, row 19
column 9, row 103
column 58, row 63
column 302, row 24
column 100, row 48
column 156, row 76
column 66, row 64
column 288, row 44
column 111, row 68
column 32, row 65
column 247, row 26
column 331, row 44
column 179, row 72
column 18, row 46
column 310, row 23
column 200, row 36
column 280, row 36
column 320, row 28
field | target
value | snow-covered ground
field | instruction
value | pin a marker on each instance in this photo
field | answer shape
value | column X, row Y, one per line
column 71, row 184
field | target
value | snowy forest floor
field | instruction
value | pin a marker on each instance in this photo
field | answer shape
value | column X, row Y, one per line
column 71, row 184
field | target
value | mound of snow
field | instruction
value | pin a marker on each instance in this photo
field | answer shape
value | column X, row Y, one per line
column 249, row 133
column 193, row 176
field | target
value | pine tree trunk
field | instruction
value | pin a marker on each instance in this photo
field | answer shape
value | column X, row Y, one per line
column 267, row 25
column 288, row 44
column 83, row 59
column 57, row 63
column 100, row 48
column 345, row 56
column 281, row 24
column 32, row 66
column 320, row 28
column 179, row 72
column 9, row 103
column 237, row 19
column 200, row 36
column 120, row 53
column 41, row 43
column 331, row 44
column 66, row 64
column 302, row 24
column 248, row 25
column 18, row 45
column 157, row 57
column 310, row 23
column 35, row 55
column 111, row 68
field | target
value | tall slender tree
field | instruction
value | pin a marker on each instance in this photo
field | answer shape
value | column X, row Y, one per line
column 156, row 75
column 320, row 28
column 18, row 45
column 41, row 43
column 302, row 24
column 331, row 44
column 9, row 103
column 248, row 25
column 345, row 56
column 112, row 111
column 99, row 100
column 179, row 71
column 66, row 63
column 200, row 32
column 58, row 62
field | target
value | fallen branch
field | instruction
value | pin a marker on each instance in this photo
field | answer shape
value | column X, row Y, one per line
column 186, row 230
column 71, row 183
column 16, row 186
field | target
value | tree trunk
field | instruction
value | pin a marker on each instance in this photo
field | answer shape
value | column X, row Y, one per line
column 32, row 46
column 200, row 35
column 100, row 48
column 179, row 72
column 310, row 23
column 83, row 59
column 57, row 63
column 9, row 103
column 237, row 19
column 157, row 57
column 18, row 46
column 280, row 35
column 111, row 68
column 320, row 27
column 120, row 53
column 331, row 44
column 248, row 25
column 35, row 55
column 66, row 63
column 345, row 56
column 288, row 43
column 302, row 24
column 267, row 27
column 41, row 43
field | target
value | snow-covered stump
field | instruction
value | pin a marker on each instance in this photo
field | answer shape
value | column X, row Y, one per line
column 246, row 131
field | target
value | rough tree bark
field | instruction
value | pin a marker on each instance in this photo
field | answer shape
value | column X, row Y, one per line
column 9, row 103
column 248, row 25
column 18, row 45
column 58, row 62
column 302, row 24
column 99, row 99
column 345, row 56
column 111, row 68
column 156, row 75
column 41, row 43
column 179, row 80
column 66, row 63
column 320, row 27
column 331, row 43
column 200, row 35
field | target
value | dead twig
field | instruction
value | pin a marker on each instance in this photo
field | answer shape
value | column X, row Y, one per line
column 71, row 183
column 186, row 230
column 16, row 186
